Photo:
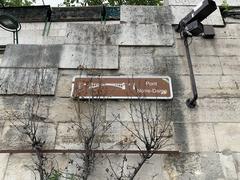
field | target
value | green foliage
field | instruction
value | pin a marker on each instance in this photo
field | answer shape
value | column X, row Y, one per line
column 135, row 2
column 16, row 3
column 225, row 6
column 69, row 3
column 55, row 175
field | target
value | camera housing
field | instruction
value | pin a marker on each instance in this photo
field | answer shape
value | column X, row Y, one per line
column 199, row 13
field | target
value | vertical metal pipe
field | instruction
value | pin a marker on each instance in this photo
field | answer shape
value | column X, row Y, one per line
column 16, row 37
column 191, row 102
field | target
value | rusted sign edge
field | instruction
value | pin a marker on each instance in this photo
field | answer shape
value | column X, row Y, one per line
column 124, row 97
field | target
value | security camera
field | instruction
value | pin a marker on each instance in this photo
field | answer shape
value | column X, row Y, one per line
column 192, row 21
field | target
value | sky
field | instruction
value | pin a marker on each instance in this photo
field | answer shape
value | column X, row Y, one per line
column 52, row 3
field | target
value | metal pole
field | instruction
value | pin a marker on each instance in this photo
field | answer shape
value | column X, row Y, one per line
column 16, row 36
column 191, row 102
column 50, row 151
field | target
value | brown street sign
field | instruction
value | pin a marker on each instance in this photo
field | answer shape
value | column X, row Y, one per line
column 120, row 87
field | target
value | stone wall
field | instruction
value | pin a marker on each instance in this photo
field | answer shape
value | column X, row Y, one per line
column 207, row 137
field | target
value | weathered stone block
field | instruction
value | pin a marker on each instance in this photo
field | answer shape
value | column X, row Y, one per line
column 208, row 110
column 216, row 47
column 180, row 12
column 128, row 110
column 24, row 106
column 202, row 65
column 195, row 137
column 87, row 34
column 13, row 138
column 146, row 14
column 230, row 31
column 52, row 40
column 153, row 168
column 28, row 81
column 228, row 134
column 20, row 167
column 33, row 56
column 4, row 160
column 229, row 166
column 68, row 137
column 72, row 109
column 194, row 166
column 56, row 113
column 146, row 35
column 208, row 86
column 146, row 60
column 89, row 57
column 120, row 34
column 230, row 65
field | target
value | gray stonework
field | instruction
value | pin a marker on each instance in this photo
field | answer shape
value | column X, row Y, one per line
column 196, row 2
column 132, row 34
column 89, row 57
column 146, row 14
column 144, row 43
column 31, row 56
column 28, row 81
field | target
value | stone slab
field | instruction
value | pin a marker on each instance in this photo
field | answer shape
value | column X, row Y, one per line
column 4, row 160
column 196, row 2
column 229, row 164
column 154, row 168
column 20, row 167
column 223, row 110
column 217, row 47
column 194, row 166
column 122, row 110
column 208, row 86
column 89, row 57
column 120, row 34
column 230, row 65
column 146, row 14
column 180, row 12
column 68, row 137
column 230, row 20
column 230, row 31
column 11, row 138
column 56, row 113
column 213, row 47
column 28, row 81
column 33, row 56
column 87, row 34
column 202, row 65
column 146, row 60
column 23, row 104
column 70, row 114
column 227, row 135
column 196, row 137
column 146, row 35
